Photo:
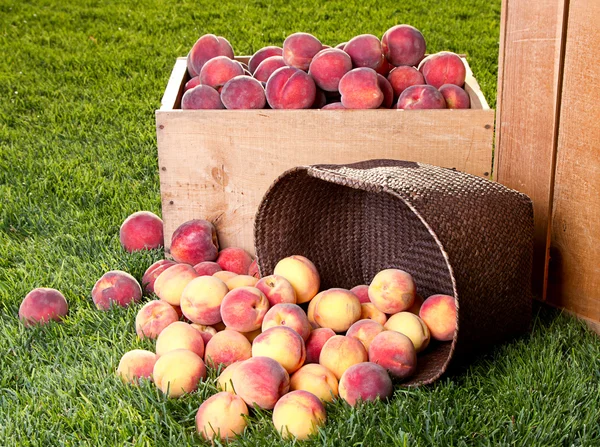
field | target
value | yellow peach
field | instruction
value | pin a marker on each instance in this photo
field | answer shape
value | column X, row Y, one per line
column 298, row 414
column 170, row 283
column 282, row 344
column 221, row 416
column 178, row 372
column 302, row 275
column 336, row 309
column 315, row 379
column 135, row 365
column 392, row 291
column 368, row 311
column 201, row 300
column 412, row 326
column 179, row 335
column 340, row 352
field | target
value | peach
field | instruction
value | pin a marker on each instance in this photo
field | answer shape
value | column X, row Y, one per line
column 241, row 281
column 328, row 67
column 224, row 379
column 385, row 69
column 320, row 99
column 153, row 317
column 261, row 55
column 412, row 326
column 178, row 372
column 217, row 71
column 243, row 309
column 142, row 230
column 365, row 331
column 443, row 68
column 341, row 45
column 135, row 365
column 340, row 352
column 439, row 314
column 299, row 50
column 179, row 335
column 310, row 313
column 201, row 97
column 298, row 414
column 277, row 289
column 395, row 352
column 290, row 315
column 404, row 76
column 42, row 305
column 260, row 381
column 403, row 45
column 267, row 67
column 195, row 241
column 392, row 291
column 169, row 285
column 368, row 311
column 282, row 344
column 152, row 273
column 360, row 89
column 253, row 270
column 117, row 288
column 206, row 48
column 365, row 382
column 224, row 275
column 387, row 90
column 315, row 342
column 205, row 331
column 290, row 88
column 221, row 416
column 201, row 300
column 195, row 81
column 336, row 309
column 234, row 259
column 302, row 275
column 333, row 106
column 365, row 51
column 207, row 268
column 421, row 97
column 455, row 96
column 416, row 306
column 362, row 293
column 315, row 379
column 243, row 92
column 227, row 347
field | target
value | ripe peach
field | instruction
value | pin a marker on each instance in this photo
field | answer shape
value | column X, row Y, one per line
column 178, row 372
column 116, row 287
column 360, row 89
column 227, row 347
column 267, row 67
column 224, row 379
column 455, row 96
column 362, row 293
column 290, row 315
column 282, row 344
column 403, row 77
column 195, row 241
column 241, row 281
column 392, row 291
column 217, row 71
column 412, row 326
column 142, row 230
column 260, row 381
column 395, row 352
column 328, row 67
column 403, row 45
column 310, row 313
column 421, row 97
column 443, row 68
column 261, row 55
column 135, row 365
column 207, row 268
column 221, row 416
column 298, row 415
column 205, row 331
column 277, row 289
column 315, row 379
column 365, row 331
column 179, row 335
column 224, row 275
column 243, row 92
column 333, row 106
column 439, row 314
column 195, row 81
column 234, row 259
column 302, row 275
column 365, row 51
column 341, row 45
column 201, row 300
column 42, row 305
column 152, row 273
column 206, row 48
column 153, row 317
column 387, row 90
column 337, row 309
column 243, row 309
column 365, row 382
column 299, row 50
column 170, row 283
column 201, row 97
column 368, row 311
column 253, row 269
column 315, row 342
column 290, row 88
column 340, row 352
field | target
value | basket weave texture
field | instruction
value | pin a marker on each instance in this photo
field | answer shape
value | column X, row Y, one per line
column 457, row 234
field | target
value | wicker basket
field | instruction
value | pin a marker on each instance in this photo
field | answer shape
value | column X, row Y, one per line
column 457, row 234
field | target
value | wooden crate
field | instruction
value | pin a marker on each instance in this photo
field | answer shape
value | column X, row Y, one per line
column 217, row 164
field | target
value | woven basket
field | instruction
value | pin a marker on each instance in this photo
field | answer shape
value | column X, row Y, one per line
column 457, row 234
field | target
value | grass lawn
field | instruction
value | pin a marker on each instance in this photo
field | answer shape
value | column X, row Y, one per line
column 79, row 83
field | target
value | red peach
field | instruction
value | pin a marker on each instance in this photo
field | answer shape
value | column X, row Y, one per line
column 222, row 416
column 403, row 45
column 365, row 51
column 170, row 283
column 328, row 67
column 298, row 414
column 315, row 342
column 201, row 97
column 142, row 230
column 277, row 289
column 205, row 331
column 207, row 268
column 385, row 68
column 195, row 241
column 152, row 273
column 206, row 48
column 299, row 50
column 267, row 67
column 365, row 382
column 339, row 353
column 217, row 71
column 387, row 90
column 135, row 365
column 395, row 352
column 243, row 309
column 455, row 96
column 315, row 379
column 261, row 55
column 282, row 344
column 153, row 317
column 421, row 97
column 234, row 259
column 195, row 81
column 392, row 291
column 362, row 293
column 320, row 99
column 403, row 77
column 290, row 88
column 260, row 381
column 253, row 270
column 360, row 89
column 42, row 305
column 179, row 335
column 365, row 331
column 201, row 300
column 116, row 287
column 443, row 68
column 243, row 92
column 302, row 275
column 368, row 311
column 227, row 347
column 289, row 315
column 178, row 372
column 341, row 45
column 439, row 314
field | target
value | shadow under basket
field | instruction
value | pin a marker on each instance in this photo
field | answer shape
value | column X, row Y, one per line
column 455, row 233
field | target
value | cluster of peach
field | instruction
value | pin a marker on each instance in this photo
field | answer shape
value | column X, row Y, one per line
column 364, row 73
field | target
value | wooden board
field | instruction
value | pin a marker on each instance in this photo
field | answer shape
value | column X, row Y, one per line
column 218, row 164
column 574, row 275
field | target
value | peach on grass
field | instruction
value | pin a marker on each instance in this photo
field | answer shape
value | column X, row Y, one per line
column 360, row 89
column 340, row 352
column 179, row 335
column 289, row 315
column 135, row 365
column 299, row 50
column 267, row 67
column 205, row 331
column 227, row 347
column 217, row 71
column 243, row 92
column 290, row 88
column 260, row 381
column 315, row 379
column 298, row 415
column 172, row 281
column 315, row 342
column 365, row 51
column 153, row 317
column 365, row 331
column 152, row 273
column 178, row 372
column 201, row 97
column 403, row 45
column 419, row 97
column 224, row 380
column 243, row 309
column 395, row 352
column 195, row 241
column 201, row 300
column 207, row 268
column 328, row 67
column 234, row 259
column 142, row 230
column 282, row 344
column 224, row 275
column 241, row 281
column 221, row 416
column 277, row 289
column 368, row 311
column 439, row 314
column 116, row 287
column 261, row 55
column 336, row 309
column 207, row 47
column 42, row 305
column 365, row 382
column 301, row 274
column 361, row 292
column 392, row 291
column 443, row 68
column 412, row 326
column 404, row 76
column 455, row 96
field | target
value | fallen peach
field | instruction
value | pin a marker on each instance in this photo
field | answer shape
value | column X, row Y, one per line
column 221, row 416
column 362, row 293
column 135, row 365
column 315, row 342
column 224, row 379
column 224, row 275
column 172, row 281
column 152, row 273
column 243, row 309
column 178, row 372
column 289, row 315
column 205, row 331
column 241, row 281
column 253, row 269
column 395, row 352
column 365, row 382
column 142, row 230
column 43, row 305
column 207, row 268
column 153, row 318
column 302, row 275
column 201, row 299
column 298, row 415
column 277, row 289
column 195, row 241
column 439, row 314
column 412, row 326
column 365, row 331
column 179, row 335
column 368, row 311
column 315, row 379
column 336, row 309
column 234, row 259
column 339, row 353
column 282, row 344
column 227, row 347
column 392, row 291
column 117, row 288
column 260, row 381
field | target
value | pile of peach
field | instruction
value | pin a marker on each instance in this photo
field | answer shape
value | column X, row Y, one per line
column 278, row 342
column 364, row 73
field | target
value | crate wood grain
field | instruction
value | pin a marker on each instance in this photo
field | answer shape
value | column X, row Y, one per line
column 217, row 165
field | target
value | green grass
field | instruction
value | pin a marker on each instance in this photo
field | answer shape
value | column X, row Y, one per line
column 79, row 83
